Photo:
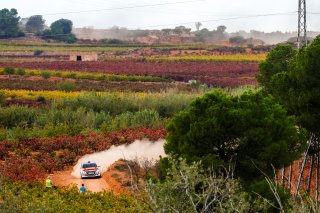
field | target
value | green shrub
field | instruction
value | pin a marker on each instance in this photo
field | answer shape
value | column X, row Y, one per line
column 45, row 74
column 21, row 72
column 17, row 116
column 66, row 86
column 58, row 74
column 145, row 118
column 1, row 98
column 41, row 99
column 8, row 70
column 37, row 52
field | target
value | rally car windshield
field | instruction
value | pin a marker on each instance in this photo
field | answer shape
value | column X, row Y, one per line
column 88, row 165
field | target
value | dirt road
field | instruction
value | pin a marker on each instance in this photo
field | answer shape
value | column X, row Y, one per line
column 64, row 178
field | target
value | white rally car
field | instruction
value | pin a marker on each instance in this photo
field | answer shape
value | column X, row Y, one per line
column 89, row 169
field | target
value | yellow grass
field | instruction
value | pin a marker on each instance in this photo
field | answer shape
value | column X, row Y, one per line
column 28, row 94
column 204, row 58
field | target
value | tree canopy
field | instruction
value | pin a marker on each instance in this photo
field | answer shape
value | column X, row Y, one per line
column 60, row 30
column 221, row 28
column 35, row 24
column 181, row 30
column 61, row 26
column 277, row 61
column 238, row 40
column 9, row 23
column 251, row 131
column 198, row 25
column 294, row 79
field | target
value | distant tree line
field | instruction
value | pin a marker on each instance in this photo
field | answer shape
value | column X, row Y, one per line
column 12, row 26
column 202, row 35
column 9, row 24
column 60, row 30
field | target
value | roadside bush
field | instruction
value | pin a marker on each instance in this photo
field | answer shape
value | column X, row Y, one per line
column 190, row 188
column 66, row 86
column 19, row 197
column 45, row 74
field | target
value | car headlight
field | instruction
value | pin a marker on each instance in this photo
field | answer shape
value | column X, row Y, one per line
column 97, row 171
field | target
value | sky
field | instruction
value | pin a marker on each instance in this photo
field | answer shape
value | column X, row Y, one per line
column 211, row 13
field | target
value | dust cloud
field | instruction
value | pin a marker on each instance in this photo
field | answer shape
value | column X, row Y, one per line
column 141, row 149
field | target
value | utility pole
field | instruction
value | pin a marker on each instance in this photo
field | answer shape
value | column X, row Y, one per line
column 302, row 23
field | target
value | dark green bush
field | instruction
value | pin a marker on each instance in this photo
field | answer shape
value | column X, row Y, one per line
column 1, row 98
column 66, row 86
column 45, row 74
column 37, row 52
column 41, row 99
column 20, row 72
column 8, row 70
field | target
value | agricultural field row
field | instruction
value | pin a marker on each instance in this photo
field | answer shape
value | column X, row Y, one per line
column 72, row 113
column 217, row 74
column 83, row 75
column 118, row 48
column 46, row 44
column 5, row 48
column 130, row 96
column 84, row 112
column 212, row 58
column 39, row 84
column 143, row 97
column 62, row 47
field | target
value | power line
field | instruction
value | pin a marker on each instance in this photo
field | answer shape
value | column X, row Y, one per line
column 212, row 20
column 226, row 19
column 118, row 8
column 215, row 20
column 122, row 8
column 233, row 18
